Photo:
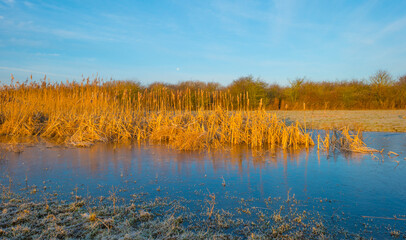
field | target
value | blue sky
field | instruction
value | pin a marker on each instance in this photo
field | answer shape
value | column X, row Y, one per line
column 217, row 40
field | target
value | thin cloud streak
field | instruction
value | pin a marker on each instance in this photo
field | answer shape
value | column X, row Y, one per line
column 8, row 2
column 12, row 69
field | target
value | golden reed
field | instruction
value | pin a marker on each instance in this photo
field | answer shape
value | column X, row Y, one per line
column 84, row 113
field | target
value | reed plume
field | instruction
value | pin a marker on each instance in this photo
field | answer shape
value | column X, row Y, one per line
column 83, row 113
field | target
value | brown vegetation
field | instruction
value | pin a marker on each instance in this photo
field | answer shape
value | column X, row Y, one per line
column 87, row 112
column 380, row 91
column 189, row 116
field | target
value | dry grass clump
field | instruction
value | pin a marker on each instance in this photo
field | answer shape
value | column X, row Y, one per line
column 347, row 141
column 344, row 140
column 81, row 114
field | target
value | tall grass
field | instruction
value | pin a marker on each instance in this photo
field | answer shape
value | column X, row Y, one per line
column 84, row 113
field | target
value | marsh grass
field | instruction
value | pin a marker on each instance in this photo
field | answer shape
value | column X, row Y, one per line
column 81, row 114
column 346, row 140
column 343, row 140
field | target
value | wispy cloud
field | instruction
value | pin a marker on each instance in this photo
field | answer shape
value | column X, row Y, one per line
column 234, row 18
column 245, row 10
column 73, row 34
column 25, row 42
column 395, row 26
column 12, row 69
column 77, row 35
column 29, row 4
column 274, row 18
column 48, row 54
column 8, row 2
column 370, row 34
column 280, row 20
column 82, row 28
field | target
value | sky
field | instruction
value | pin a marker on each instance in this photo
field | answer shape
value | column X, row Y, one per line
column 209, row 40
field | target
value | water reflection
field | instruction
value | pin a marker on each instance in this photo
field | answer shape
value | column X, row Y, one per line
column 357, row 183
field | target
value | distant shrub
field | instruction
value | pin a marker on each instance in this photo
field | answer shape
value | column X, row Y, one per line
column 255, row 88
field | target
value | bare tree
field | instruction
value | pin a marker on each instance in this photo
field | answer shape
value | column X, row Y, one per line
column 380, row 82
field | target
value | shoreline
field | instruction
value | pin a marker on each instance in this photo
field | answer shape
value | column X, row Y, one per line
column 171, row 218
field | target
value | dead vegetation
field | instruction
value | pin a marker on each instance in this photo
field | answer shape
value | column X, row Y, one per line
column 159, row 218
column 343, row 140
column 82, row 114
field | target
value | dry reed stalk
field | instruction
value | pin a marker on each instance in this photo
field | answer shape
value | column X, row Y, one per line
column 89, row 112
column 345, row 140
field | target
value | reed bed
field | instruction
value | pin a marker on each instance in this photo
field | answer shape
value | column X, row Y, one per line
column 84, row 113
column 81, row 114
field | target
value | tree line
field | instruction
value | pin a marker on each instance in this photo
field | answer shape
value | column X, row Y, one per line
column 380, row 91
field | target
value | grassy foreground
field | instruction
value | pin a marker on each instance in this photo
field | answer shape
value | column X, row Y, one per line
column 163, row 218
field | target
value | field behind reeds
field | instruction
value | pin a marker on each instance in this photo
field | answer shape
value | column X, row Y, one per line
column 366, row 120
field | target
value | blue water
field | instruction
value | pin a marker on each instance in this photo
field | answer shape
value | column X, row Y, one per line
column 334, row 184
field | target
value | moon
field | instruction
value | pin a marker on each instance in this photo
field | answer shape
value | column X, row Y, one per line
column 177, row 69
